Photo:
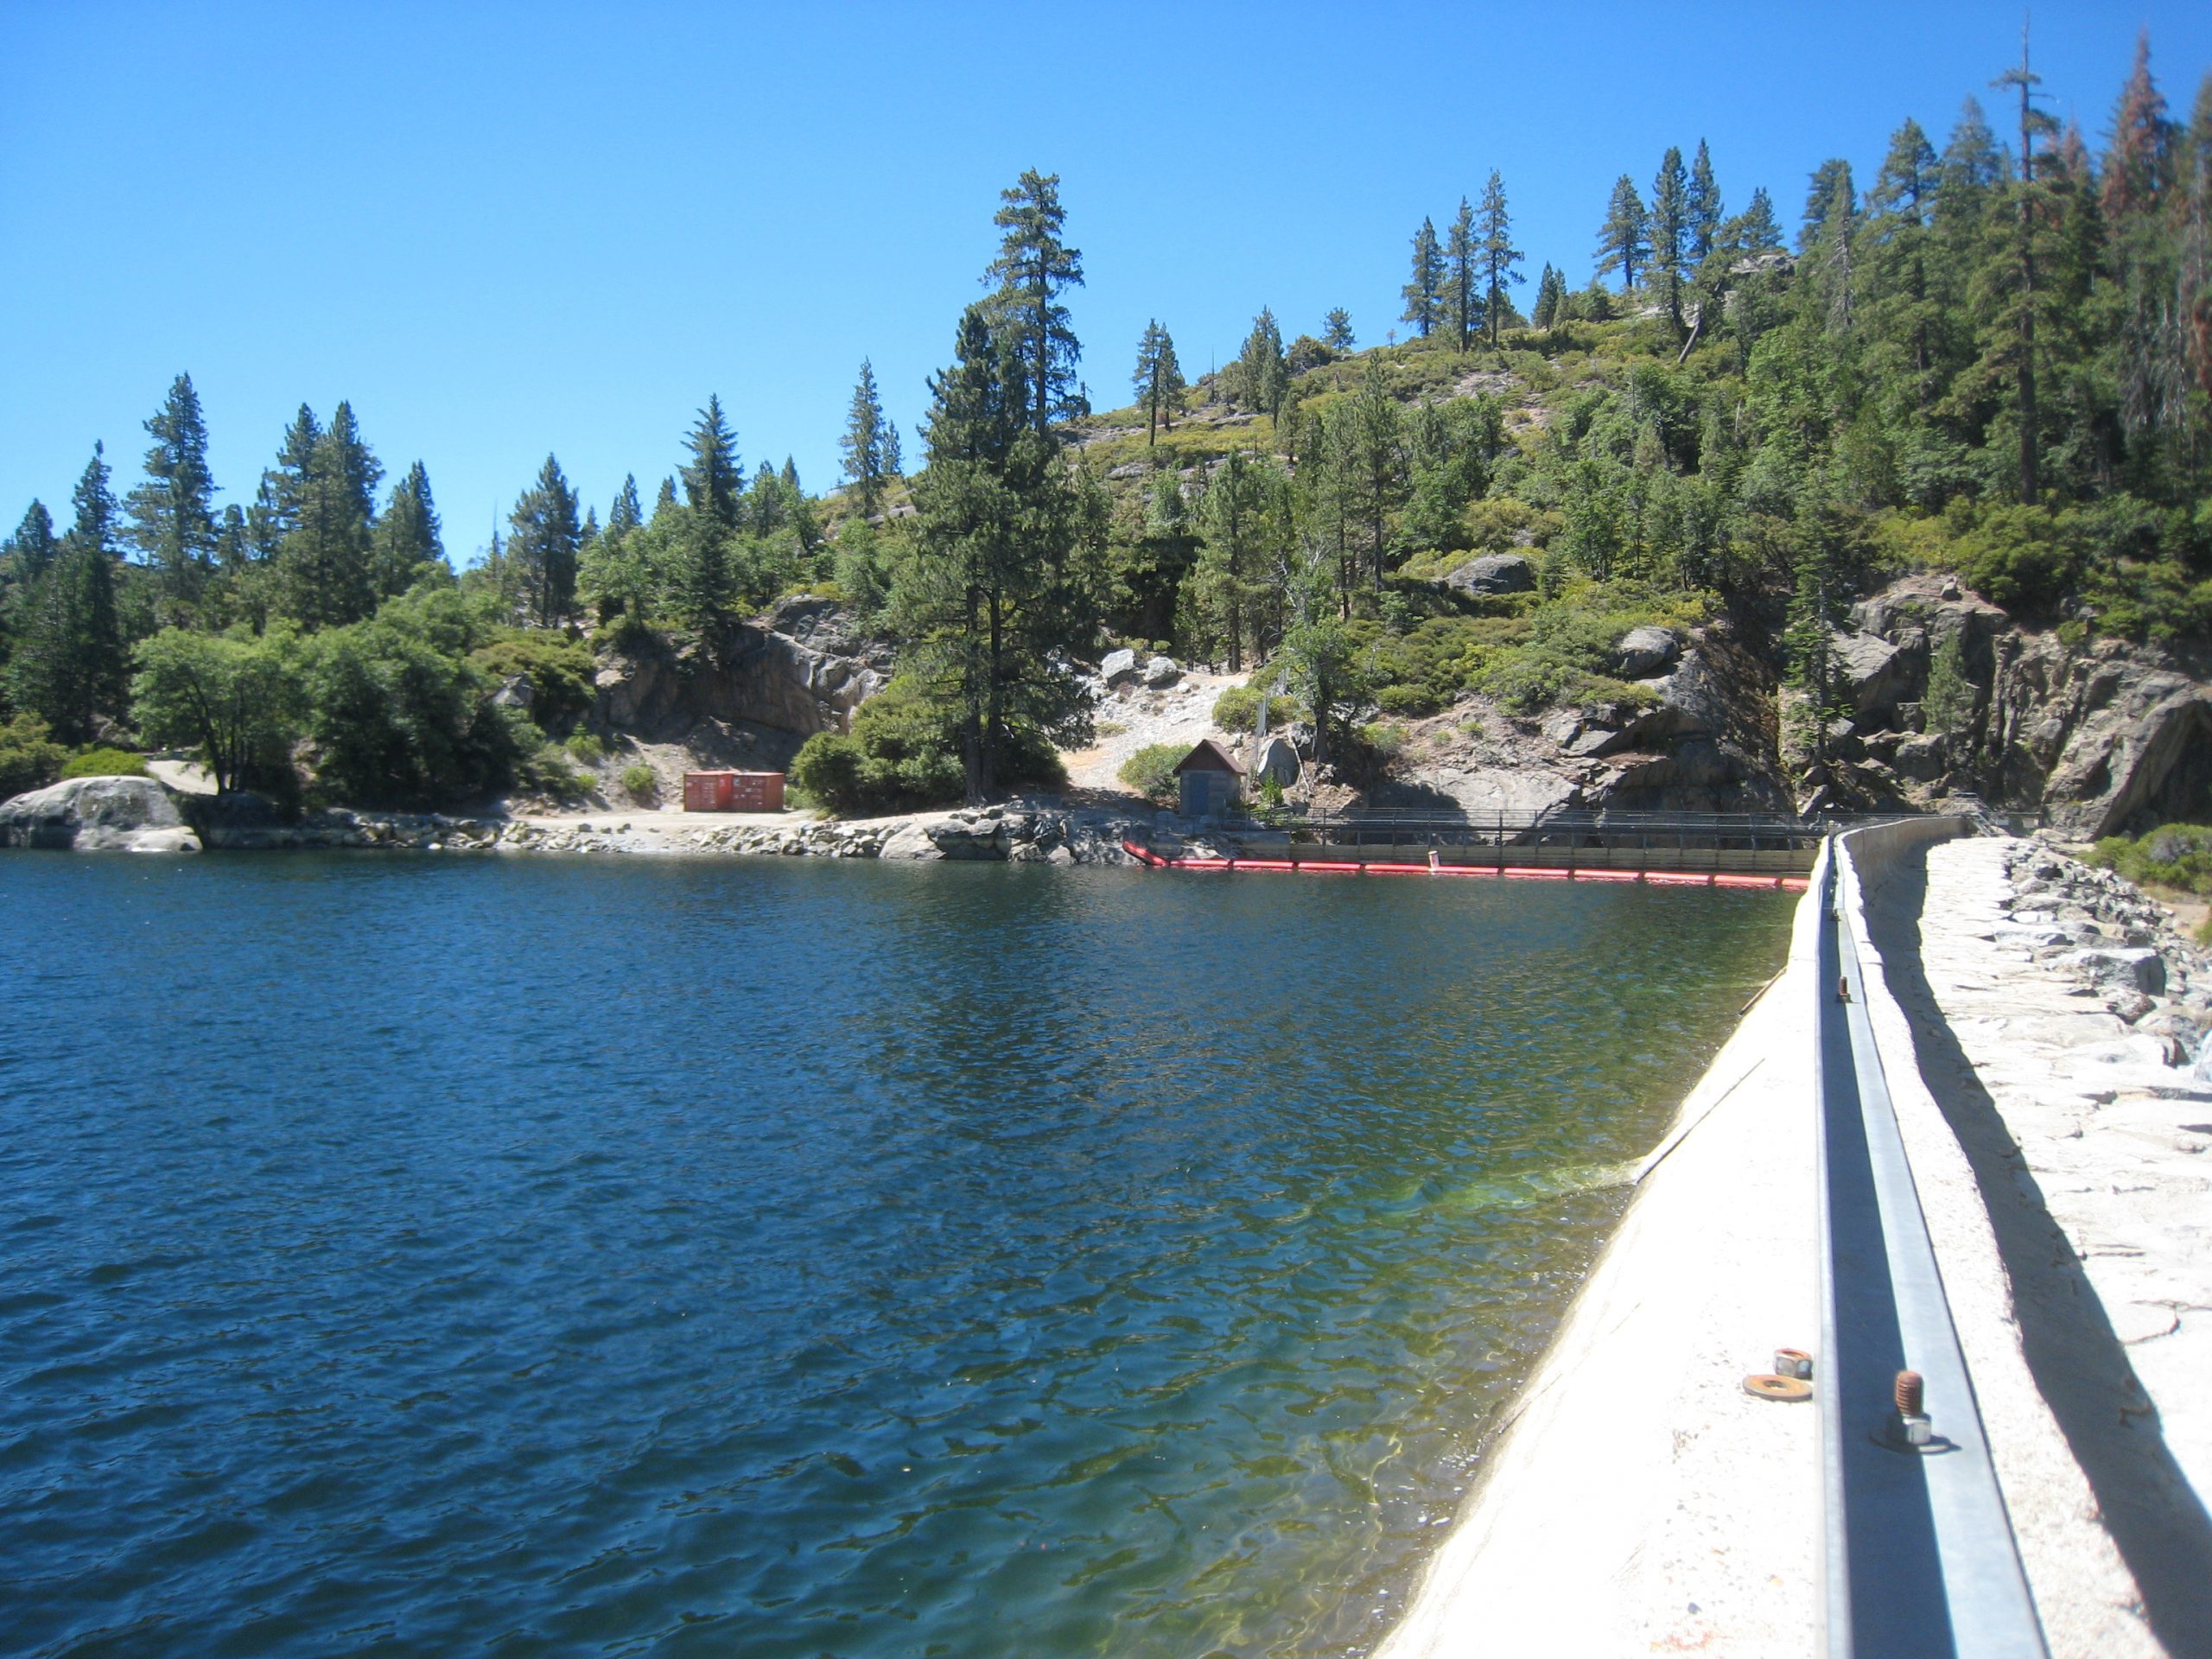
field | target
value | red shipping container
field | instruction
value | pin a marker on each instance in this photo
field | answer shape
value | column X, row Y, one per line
column 733, row 791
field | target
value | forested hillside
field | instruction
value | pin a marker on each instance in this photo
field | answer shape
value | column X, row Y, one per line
column 1994, row 357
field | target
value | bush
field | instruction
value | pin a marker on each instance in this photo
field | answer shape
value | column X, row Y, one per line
column 640, row 783
column 99, row 762
column 563, row 676
column 28, row 760
column 395, row 722
column 904, row 751
column 2173, row 855
column 1237, row 710
column 1151, row 771
column 587, row 749
column 2018, row 557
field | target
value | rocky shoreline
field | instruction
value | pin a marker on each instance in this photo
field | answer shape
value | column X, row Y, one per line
column 141, row 815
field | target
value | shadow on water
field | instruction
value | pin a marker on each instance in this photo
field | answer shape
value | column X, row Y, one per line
column 2079, row 1364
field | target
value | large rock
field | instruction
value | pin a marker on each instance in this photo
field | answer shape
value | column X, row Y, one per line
column 1644, row 652
column 1494, row 574
column 1119, row 665
column 801, row 681
column 130, row 815
column 1276, row 763
column 1162, row 671
column 1874, row 675
column 2137, row 753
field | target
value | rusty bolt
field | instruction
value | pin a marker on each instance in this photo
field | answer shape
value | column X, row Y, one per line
column 1911, row 1390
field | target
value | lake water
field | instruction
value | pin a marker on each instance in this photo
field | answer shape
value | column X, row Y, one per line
column 787, row 1258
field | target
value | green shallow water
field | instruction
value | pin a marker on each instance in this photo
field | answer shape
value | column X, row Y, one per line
column 786, row 1258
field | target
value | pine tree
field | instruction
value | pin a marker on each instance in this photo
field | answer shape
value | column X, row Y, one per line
column 714, row 477
column 1703, row 208
column 1905, row 319
column 2140, row 166
column 1423, row 289
column 1336, row 329
column 1499, row 255
column 68, row 665
column 1761, row 230
column 993, row 600
column 863, row 444
column 1624, row 239
column 33, row 548
column 1265, row 372
column 1232, row 515
column 1670, row 232
column 1375, row 453
column 172, row 514
column 1460, row 280
column 324, row 502
column 545, row 543
column 1034, row 267
column 1158, row 379
column 406, row 540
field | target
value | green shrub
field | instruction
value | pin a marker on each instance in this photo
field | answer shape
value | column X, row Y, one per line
column 397, row 723
column 2173, row 855
column 28, row 760
column 640, row 783
column 2019, row 558
column 587, row 749
column 1151, row 771
column 96, row 762
column 563, row 676
column 904, row 751
column 1237, row 710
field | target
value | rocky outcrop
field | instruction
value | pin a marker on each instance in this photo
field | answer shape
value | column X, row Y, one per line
column 750, row 692
column 2102, row 738
column 1494, row 572
column 126, row 815
column 1701, row 739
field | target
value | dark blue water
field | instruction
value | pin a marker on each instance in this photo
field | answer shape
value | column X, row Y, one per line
column 786, row 1258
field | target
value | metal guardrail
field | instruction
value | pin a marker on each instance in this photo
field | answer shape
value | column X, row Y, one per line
column 1919, row 1556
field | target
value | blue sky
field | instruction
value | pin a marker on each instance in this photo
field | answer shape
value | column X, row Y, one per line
column 505, row 230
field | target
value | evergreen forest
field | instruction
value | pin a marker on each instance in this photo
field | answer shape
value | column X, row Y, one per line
column 1993, row 357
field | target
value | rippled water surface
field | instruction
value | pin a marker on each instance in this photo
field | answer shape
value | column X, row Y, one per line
column 786, row 1258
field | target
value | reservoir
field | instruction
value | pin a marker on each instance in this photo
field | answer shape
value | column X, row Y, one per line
column 789, row 1257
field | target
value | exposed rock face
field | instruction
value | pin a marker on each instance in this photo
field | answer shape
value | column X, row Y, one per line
column 2110, row 739
column 1495, row 573
column 1707, row 744
column 127, row 815
column 749, row 693
column 1275, row 763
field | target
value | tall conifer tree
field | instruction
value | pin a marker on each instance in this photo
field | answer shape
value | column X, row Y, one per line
column 1033, row 269
column 173, row 512
column 1424, row 288
column 1499, row 256
column 1624, row 239
column 1462, row 282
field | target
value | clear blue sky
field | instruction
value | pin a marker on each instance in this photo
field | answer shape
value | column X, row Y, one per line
column 505, row 230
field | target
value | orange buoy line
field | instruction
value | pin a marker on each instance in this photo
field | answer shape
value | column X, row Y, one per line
column 1153, row 860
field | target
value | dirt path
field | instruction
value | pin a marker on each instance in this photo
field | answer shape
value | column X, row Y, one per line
column 1132, row 717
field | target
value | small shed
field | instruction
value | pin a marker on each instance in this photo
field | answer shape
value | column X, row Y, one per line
column 733, row 791
column 1209, row 781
